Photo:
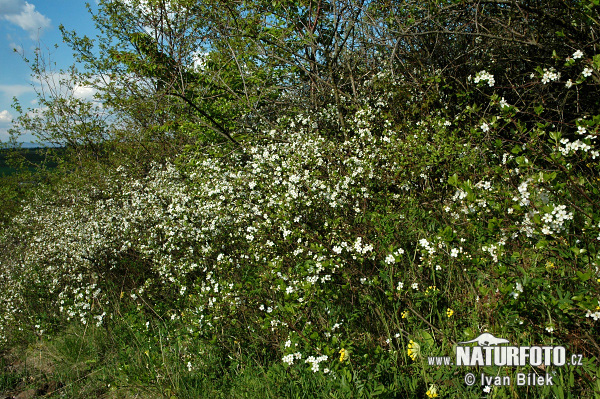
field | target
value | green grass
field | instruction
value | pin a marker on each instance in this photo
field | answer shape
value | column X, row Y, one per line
column 125, row 363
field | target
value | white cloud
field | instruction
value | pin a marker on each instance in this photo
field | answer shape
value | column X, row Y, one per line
column 24, row 15
column 5, row 116
column 84, row 92
column 10, row 91
column 10, row 6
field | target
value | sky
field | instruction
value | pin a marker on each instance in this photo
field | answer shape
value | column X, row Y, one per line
column 26, row 25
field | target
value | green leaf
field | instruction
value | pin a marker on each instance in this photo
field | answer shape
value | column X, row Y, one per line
column 584, row 276
column 425, row 338
column 453, row 180
column 596, row 61
column 550, row 176
column 538, row 110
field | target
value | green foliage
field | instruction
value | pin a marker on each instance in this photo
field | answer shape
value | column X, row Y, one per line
column 380, row 205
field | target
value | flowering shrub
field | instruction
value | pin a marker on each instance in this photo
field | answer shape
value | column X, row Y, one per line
column 320, row 251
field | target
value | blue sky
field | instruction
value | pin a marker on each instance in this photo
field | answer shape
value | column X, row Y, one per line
column 24, row 24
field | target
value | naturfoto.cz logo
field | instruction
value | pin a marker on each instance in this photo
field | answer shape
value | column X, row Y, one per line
column 488, row 353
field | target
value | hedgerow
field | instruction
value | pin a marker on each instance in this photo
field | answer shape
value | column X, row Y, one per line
column 355, row 257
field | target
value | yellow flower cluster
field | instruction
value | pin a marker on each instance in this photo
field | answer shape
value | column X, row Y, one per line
column 343, row 354
column 432, row 392
column 413, row 349
column 431, row 290
column 449, row 312
column 405, row 314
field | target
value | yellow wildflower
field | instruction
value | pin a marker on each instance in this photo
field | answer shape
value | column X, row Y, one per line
column 432, row 392
column 449, row 312
column 343, row 354
column 405, row 314
column 431, row 289
column 413, row 349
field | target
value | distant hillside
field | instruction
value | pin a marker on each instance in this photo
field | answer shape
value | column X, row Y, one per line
column 29, row 157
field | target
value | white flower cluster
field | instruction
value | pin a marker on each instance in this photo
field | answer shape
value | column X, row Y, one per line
column 492, row 249
column 314, row 361
column 550, row 75
column 427, row 246
column 594, row 315
column 485, row 76
column 459, row 195
column 391, row 258
column 289, row 359
column 360, row 249
column 554, row 221
column 569, row 147
column 485, row 185
column 455, row 251
column 524, row 193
